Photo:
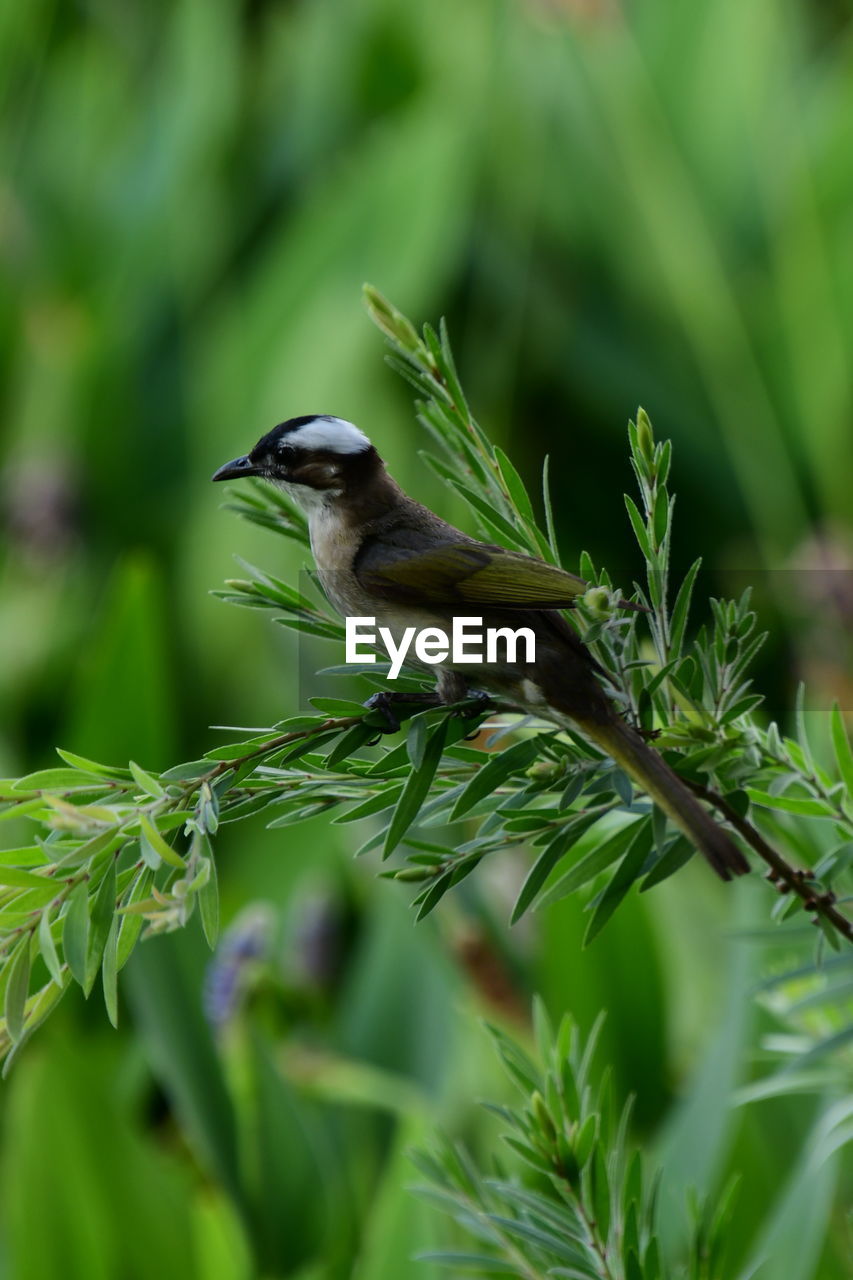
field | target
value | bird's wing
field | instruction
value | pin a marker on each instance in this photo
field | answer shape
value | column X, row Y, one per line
column 464, row 573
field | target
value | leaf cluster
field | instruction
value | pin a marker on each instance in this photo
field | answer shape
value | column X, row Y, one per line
column 576, row 1200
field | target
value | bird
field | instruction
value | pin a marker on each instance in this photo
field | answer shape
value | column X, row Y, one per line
column 380, row 554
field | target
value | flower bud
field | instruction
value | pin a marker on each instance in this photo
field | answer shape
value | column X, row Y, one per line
column 597, row 600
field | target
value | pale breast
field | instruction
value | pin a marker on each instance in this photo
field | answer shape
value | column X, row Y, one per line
column 333, row 549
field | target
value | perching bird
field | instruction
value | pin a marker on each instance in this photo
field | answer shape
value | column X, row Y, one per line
column 380, row 554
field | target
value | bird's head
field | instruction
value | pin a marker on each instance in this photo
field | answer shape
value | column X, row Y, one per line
column 315, row 458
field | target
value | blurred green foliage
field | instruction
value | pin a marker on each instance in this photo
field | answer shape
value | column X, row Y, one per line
column 611, row 207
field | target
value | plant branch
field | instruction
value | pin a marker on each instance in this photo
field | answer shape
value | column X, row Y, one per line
column 793, row 879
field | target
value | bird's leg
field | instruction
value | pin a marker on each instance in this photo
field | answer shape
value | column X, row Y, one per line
column 453, row 687
column 384, row 702
column 479, row 701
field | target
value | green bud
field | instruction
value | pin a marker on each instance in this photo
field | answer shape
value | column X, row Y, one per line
column 415, row 874
column 545, row 771
column 645, row 436
column 597, row 600
column 543, row 1116
column 391, row 321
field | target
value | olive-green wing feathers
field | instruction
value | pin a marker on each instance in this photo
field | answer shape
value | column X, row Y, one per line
column 466, row 573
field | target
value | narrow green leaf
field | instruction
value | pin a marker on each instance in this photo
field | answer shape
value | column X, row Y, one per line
column 633, row 1270
column 800, row 718
column 31, row 855
column 75, row 932
column 600, row 1194
column 187, row 772
column 528, row 1154
column 546, row 1240
column 843, row 751
column 652, row 1262
column 520, row 1066
column 451, row 377
column 673, row 859
column 791, row 804
column 416, row 740
column 515, row 487
column 639, row 527
column 100, row 922
column 146, row 782
column 160, row 846
column 623, row 786
column 58, row 780
column 48, row 948
column 349, row 743
column 40, row 1005
column 374, row 804
column 19, row 810
column 17, row 989
column 548, row 859
column 109, row 971
column 338, row 706
column 92, row 766
column 627, row 872
column 597, row 860
column 208, row 904
column 585, row 1140
column 131, row 925
column 495, row 771
column 549, row 510
column 15, row 877
column 681, row 610
column 415, row 789
column 430, row 899
column 490, row 517
column 478, row 1262
column 661, row 516
column 742, row 707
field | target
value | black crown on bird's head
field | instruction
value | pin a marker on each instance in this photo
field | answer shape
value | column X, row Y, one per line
column 315, row 450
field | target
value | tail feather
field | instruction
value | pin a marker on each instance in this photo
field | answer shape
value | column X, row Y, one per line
column 651, row 772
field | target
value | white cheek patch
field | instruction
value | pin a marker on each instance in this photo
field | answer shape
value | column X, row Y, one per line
column 335, row 434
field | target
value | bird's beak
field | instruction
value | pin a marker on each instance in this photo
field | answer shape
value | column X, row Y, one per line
column 237, row 469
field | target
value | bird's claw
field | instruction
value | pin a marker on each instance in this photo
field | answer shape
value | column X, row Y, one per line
column 381, row 702
column 476, row 704
column 384, row 702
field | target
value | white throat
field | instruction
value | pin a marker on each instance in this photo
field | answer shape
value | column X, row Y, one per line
column 314, row 502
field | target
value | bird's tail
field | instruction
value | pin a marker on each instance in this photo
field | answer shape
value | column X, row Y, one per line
column 651, row 772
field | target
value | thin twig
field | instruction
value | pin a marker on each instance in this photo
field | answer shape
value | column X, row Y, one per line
column 795, row 879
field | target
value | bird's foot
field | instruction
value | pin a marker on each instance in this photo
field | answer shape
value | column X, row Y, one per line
column 384, row 703
column 477, row 701
column 476, row 705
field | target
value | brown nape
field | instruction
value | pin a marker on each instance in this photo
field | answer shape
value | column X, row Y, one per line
column 368, row 490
